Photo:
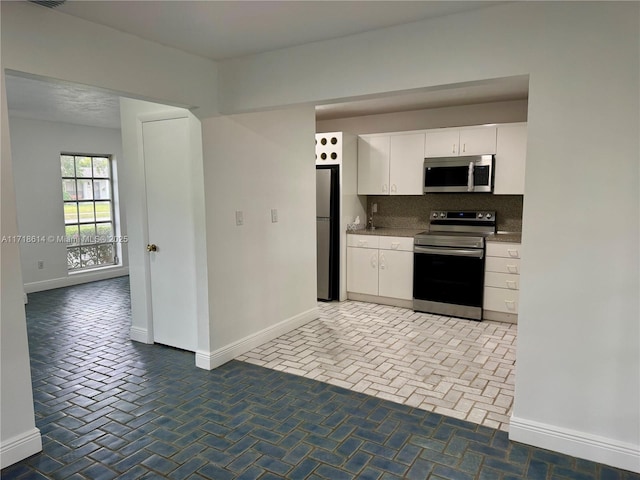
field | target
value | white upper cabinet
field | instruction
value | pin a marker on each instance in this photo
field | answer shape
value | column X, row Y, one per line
column 478, row 141
column 442, row 143
column 373, row 165
column 406, row 164
column 511, row 157
column 454, row 142
column 390, row 164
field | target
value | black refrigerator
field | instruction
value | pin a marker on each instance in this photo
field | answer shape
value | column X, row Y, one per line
column 327, row 228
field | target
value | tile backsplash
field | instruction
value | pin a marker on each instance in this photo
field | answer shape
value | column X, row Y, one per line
column 412, row 211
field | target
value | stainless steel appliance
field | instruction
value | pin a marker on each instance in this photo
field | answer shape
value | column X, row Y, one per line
column 448, row 263
column 473, row 174
column 327, row 228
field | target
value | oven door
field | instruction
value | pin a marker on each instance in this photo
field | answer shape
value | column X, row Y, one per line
column 458, row 174
column 448, row 281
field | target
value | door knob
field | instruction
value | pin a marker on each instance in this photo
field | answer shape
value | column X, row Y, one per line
column 152, row 248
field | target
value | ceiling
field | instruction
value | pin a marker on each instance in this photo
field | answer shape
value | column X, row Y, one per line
column 225, row 29
column 218, row 30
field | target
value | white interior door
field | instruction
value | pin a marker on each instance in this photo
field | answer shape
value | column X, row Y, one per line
column 171, row 229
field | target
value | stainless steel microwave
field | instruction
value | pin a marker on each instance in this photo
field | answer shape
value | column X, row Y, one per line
column 473, row 174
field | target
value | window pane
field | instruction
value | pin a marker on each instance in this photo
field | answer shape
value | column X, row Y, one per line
column 105, row 254
column 86, row 211
column 101, row 190
column 105, row 232
column 103, row 211
column 71, row 212
column 73, row 258
column 72, row 234
column 88, row 233
column 83, row 167
column 101, row 167
column 88, row 256
column 85, row 190
column 68, row 189
column 66, row 166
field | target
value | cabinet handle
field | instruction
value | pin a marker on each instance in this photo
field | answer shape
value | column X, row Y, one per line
column 464, row 147
column 453, row 148
column 362, row 243
column 511, row 284
column 394, row 188
column 511, row 305
column 512, row 268
column 374, row 261
column 385, row 187
column 513, row 253
column 395, row 245
column 383, row 263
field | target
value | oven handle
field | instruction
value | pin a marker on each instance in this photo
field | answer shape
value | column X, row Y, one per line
column 470, row 185
column 456, row 252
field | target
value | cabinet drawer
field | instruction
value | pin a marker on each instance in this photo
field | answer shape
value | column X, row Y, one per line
column 502, row 280
column 503, row 265
column 396, row 243
column 501, row 300
column 500, row 249
column 363, row 241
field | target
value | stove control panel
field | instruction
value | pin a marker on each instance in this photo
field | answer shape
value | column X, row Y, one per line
column 463, row 216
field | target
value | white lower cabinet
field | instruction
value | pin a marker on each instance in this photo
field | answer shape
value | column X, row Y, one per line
column 502, row 281
column 380, row 266
column 362, row 270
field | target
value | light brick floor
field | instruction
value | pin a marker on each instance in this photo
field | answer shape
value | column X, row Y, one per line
column 456, row 367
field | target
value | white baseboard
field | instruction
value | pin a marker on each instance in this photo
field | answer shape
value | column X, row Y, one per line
column 141, row 335
column 578, row 444
column 211, row 360
column 20, row 447
column 76, row 279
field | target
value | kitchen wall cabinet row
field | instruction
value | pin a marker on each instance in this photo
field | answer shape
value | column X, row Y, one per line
column 392, row 163
column 380, row 266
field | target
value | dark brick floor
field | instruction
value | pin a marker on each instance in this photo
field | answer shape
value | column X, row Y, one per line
column 110, row 408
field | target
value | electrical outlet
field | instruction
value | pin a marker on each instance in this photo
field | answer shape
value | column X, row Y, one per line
column 374, row 208
column 239, row 218
column 40, row 264
column 274, row 215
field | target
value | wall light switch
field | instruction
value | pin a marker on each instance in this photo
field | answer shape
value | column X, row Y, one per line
column 374, row 208
column 239, row 217
column 274, row 215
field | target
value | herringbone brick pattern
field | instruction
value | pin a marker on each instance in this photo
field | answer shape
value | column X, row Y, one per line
column 109, row 408
column 460, row 368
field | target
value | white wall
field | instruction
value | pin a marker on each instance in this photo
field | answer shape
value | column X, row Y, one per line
column 262, row 279
column 578, row 375
column 42, row 41
column 19, row 436
column 36, row 146
column 477, row 114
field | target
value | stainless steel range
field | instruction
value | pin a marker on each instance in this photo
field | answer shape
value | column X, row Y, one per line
column 448, row 263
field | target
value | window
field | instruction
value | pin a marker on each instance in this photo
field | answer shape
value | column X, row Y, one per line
column 87, row 191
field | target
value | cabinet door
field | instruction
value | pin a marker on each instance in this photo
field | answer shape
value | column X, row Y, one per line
column 395, row 274
column 373, row 165
column 441, row 143
column 478, row 141
column 511, row 156
column 406, row 164
column 362, row 270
